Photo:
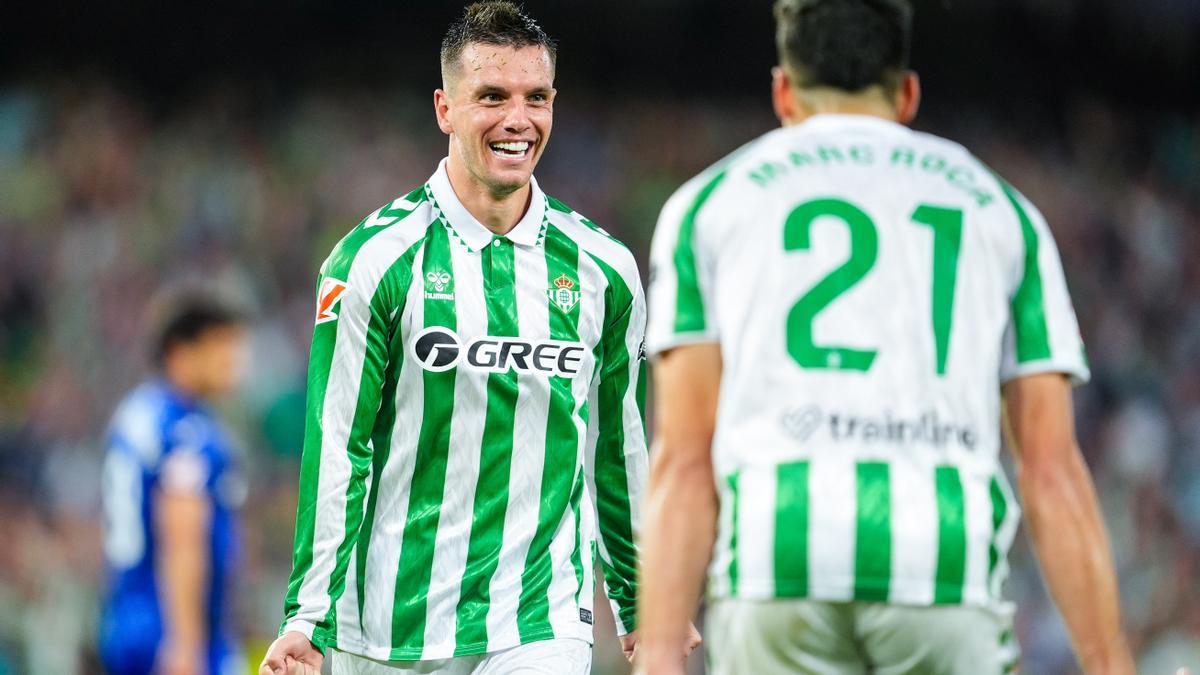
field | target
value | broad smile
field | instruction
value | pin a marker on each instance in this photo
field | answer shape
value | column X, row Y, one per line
column 513, row 150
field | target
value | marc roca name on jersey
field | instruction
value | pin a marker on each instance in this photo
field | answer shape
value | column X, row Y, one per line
column 438, row 349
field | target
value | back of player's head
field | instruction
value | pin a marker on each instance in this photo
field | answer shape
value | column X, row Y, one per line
column 180, row 316
column 493, row 22
column 845, row 44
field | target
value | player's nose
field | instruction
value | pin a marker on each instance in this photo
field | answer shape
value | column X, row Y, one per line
column 516, row 118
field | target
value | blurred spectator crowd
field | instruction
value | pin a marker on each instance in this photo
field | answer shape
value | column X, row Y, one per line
column 104, row 197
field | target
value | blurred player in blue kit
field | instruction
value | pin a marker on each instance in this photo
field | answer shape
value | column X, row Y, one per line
column 171, row 489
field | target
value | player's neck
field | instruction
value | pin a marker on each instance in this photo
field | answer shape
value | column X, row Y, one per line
column 499, row 213
column 184, row 380
column 827, row 101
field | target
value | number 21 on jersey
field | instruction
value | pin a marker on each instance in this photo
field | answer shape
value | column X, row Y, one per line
column 864, row 250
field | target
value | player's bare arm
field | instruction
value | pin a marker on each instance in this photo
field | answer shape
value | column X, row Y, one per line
column 1064, row 519
column 681, row 509
column 183, row 521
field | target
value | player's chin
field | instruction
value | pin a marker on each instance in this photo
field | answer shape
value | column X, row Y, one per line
column 506, row 178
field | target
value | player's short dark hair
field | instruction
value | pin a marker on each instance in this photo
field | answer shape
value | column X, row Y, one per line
column 844, row 44
column 494, row 22
column 182, row 315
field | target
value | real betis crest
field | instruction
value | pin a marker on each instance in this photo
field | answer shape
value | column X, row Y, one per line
column 563, row 294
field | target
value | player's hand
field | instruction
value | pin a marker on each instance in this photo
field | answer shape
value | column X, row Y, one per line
column 179, row 659
column 660, row 663
column 291, row 654
column 693, row 640
column 628, row 645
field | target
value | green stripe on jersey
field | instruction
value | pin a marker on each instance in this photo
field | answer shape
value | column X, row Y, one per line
column 337, row 266
column 357, row 448
column 791, row 529
column 415, row 567
column 562, row 448
column 1028, row 304
column 952, row 537
column 873, row 534
column 999, row 510
column 381, row 436
column 577, row 552
column 689, row 303
column 612, row 480
column 732, row 572
column 495, row 458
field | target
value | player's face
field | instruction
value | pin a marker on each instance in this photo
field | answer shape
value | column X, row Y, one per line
column 498, row 111
column 220, row 355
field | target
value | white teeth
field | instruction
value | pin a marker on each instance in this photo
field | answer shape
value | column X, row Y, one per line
column 511, row 146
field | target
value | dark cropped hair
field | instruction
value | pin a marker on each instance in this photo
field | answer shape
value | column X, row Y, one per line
column 844, row 44
column 181, row 316
column 493, row 22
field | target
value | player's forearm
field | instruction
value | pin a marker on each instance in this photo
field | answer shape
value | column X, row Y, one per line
column 186, row 575
column 183, row 563
column 1072, row 546
column 677, row 539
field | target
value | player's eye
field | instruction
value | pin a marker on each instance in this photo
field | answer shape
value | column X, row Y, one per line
column 491, row 97
column 539, row 98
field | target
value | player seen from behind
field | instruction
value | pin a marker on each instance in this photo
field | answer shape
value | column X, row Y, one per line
column 840, row 312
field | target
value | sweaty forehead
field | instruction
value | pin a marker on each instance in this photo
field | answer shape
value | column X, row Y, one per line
column 484, row 64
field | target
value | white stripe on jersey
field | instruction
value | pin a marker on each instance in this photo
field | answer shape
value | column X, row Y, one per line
column 525, row 473
column 387, row 533
column 462, row 463
column 345, row 372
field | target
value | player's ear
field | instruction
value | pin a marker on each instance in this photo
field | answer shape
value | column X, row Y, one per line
column 908, row 97
column 441, row 108
column 783, row 98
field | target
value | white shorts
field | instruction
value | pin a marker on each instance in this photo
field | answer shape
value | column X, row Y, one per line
column 563, row 656
column 786, row 636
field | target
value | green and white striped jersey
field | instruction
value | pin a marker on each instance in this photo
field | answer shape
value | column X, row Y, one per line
column 474, row 432
column 870, row 287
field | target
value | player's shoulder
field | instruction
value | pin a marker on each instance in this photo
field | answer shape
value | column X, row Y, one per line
column 139, row 421
column 985, row 178
column 933, row 146
column 385, row 233
column 686, row 202
column 592, row 239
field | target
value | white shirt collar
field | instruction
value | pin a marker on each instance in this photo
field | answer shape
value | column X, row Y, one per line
column 528, row 231
column 846, row 120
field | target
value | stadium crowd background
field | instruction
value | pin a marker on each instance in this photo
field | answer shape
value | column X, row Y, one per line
column 128, row 161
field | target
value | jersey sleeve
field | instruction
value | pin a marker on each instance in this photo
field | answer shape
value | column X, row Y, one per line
column 617, row 460
column 345, row 380
column 1042, row 334
column 681, row 307
column 185, row 469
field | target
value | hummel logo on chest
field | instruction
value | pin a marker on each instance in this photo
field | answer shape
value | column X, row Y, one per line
column 439, row 285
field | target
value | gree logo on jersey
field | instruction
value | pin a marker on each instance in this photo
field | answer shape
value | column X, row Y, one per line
column 439, row 285
column 439, row 349
column 328, row 295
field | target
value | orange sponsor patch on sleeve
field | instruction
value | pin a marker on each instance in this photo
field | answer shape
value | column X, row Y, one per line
column 328, row 296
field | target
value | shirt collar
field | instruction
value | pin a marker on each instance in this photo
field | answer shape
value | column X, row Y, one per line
column 528, row 231
column 846, row 120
